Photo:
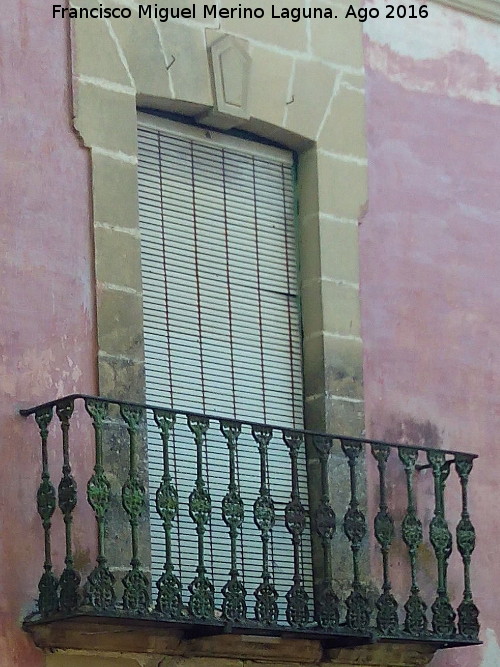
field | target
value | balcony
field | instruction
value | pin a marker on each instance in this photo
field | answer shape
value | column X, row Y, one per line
column 360, row 551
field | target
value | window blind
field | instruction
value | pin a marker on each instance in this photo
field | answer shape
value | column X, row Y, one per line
column 221, row 327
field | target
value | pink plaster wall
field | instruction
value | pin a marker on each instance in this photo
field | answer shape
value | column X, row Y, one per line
column 46, row 299
column 430, row 281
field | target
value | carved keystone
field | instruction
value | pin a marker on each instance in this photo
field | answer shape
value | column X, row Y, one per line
column 230, row 65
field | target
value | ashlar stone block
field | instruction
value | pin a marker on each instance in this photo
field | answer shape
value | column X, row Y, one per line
column 308, row 185
column 117, row 258
column 122, row 378
column 344, row 416
column 342, row 186
column 200, row 17
column 96, row 54
column 338, row 41
column 312, row 307
column 339, row 250
column 140, row 42
column 186, row 53
column 314, row 412
column 269, row 81
column 104, row 118
column 314, row 364
column 340, row 308
column 343, row 367
column 276, row 31
column 311, row 93
column 119, row 315
column 309, row 250
column 114, row 184
column 344, row 128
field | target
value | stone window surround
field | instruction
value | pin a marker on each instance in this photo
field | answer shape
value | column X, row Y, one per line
column 122, row 66
column 111, row 79
column 332, row 192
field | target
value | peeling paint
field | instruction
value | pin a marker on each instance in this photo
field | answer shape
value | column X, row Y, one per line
column 47, row 338
column 443, row 32
column 467, row 77
column 447, row 52
column 429, row 283
column 491, row 650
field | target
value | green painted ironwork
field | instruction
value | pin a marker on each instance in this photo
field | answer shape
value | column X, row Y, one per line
column 387, row 607
column 266, row 606
column 468, row 613
column 297, row 610
column 328, row 605
column 234, row 608
column 63, row 594
column 99, row 589
column 201, row 603
column 48, row 599
column 415, row 607
column 69, row 582
column 169, row 599
column 358, row 606
column 443, row 614
column 135, row 582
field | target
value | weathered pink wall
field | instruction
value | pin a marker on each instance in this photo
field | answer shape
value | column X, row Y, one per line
column 46, row 296
column 430, row 269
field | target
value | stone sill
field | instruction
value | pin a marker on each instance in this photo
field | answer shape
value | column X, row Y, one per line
column 151, row 636
column 116, row 633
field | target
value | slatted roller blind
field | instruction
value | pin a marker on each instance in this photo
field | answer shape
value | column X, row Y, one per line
column 221, row 325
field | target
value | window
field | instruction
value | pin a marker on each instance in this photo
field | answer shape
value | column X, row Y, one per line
column 221, row 322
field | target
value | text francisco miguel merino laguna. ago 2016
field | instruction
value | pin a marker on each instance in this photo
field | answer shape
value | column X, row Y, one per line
column 201, row 11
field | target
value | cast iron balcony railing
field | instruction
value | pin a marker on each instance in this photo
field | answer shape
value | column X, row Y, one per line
column 391, row 517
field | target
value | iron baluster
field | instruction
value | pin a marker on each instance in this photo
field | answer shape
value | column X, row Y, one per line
column 99, row 589
column 443, row 614
column 450, row 626
column 201, row 603
column 266, row 607
column 169, row 599
column 327, row 607
column 415, row 607
column 297, row 610
column 358, row 607
column 387, row 614
column 48, row 601
column 69, row 581
column 468, row 624
column 135, row 582
column 234, row 606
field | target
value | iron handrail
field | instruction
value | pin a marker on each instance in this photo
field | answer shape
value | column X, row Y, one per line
column 26, row 412
column 330, row 611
